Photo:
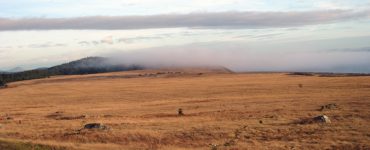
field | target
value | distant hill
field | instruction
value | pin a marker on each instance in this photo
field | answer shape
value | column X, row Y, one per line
column 87, row 65
column 91, row 65
column 89, row 62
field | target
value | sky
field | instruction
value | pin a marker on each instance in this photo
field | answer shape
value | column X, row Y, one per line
column 243, row 35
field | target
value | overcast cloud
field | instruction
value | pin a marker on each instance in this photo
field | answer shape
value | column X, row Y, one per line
column 238, row 57
column 249, row 19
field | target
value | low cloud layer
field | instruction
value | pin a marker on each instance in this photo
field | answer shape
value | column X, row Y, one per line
column 362, row 49
column 245, row 59
column 226, row 20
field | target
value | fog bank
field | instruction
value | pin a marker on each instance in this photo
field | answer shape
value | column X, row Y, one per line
column 245, row 59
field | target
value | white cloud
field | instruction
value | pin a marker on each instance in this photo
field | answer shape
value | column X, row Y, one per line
column 231, row 20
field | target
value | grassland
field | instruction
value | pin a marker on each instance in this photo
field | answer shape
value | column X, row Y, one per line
column 222, row 111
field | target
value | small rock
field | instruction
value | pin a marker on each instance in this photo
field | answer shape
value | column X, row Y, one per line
column 322, row 119
column 214, row 146
column 329, row 107
column 318, row 119
column 95, row 126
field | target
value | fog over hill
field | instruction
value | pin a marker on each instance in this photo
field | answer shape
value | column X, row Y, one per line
column 249, row 59
column 91, row 65
column 87, row 65
column 238, row 60
column 16, row 69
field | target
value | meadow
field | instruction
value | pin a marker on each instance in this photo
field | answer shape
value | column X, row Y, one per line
column 222, row 110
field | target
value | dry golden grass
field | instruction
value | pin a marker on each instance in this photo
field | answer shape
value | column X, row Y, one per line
column 232, row 111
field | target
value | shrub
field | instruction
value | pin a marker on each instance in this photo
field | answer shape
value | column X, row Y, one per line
column 180, row 112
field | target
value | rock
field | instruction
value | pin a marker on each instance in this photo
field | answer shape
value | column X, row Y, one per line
column 317, row 119
column 329, row 107
column 322, row 119
column 95, row 126
column 214, row 146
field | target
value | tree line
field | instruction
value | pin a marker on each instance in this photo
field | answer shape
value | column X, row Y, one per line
column 83, row 66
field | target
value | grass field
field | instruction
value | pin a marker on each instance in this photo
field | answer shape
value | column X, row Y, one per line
column 222, row 111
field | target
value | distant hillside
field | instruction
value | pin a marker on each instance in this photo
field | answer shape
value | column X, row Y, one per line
column 87, row 65
column 89, row 62
column 91, row 65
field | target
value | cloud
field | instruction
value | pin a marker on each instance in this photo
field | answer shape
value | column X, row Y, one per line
column 84, row 43
column 249, row 19
column 261, row 36
column 361, row 49
column 240, row 58
column 108, row 40
column 46, row 45
column 128, row 40
column 329, row 55
column 139, row 38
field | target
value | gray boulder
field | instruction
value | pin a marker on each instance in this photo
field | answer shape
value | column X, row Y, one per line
column 95, row 126
column 322, row 119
